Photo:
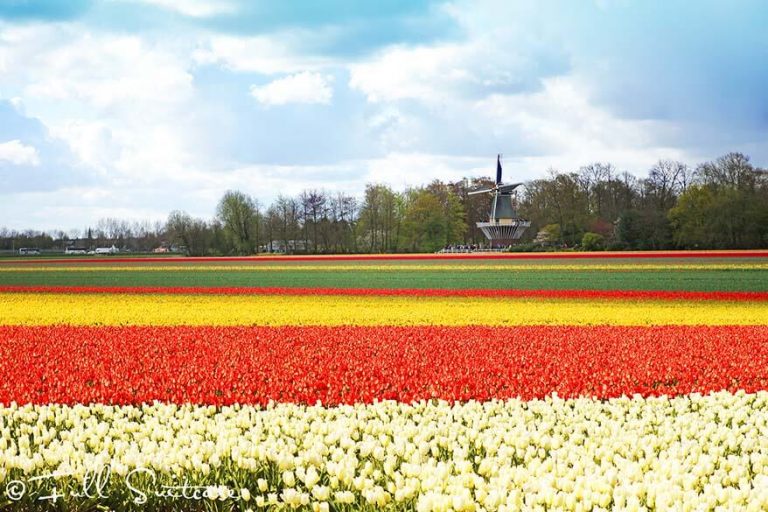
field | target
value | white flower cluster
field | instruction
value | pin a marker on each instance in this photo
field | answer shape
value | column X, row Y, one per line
column 686, row 453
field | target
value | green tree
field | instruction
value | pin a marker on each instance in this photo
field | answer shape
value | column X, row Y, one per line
column 424, row 226
column 630, row 229
column 239, row 216
column 592, row 242
column 476, row 207
column 726, row 208
column 452, row 211
column 720, row 217
column 549, row 234
column 379, row 219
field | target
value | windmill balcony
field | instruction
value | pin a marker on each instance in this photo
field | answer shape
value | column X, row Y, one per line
column 504, row 230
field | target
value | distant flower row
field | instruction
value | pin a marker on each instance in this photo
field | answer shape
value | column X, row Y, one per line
column 390, row 267
column 401, row 292
column 176, row 309
column 422, row 257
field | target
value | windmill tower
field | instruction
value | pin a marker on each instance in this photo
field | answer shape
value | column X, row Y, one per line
column 504, row 226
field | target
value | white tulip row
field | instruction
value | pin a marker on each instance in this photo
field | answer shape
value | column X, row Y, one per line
column 686, row 453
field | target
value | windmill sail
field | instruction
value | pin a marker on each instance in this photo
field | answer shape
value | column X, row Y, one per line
column 498, row 169
column 509, row 188
column 480, row 191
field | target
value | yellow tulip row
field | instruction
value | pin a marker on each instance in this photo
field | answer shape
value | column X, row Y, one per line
column 688, row 453
column 629, row 267
column 179, row 309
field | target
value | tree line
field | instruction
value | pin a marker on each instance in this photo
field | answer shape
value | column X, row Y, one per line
column 715, row 205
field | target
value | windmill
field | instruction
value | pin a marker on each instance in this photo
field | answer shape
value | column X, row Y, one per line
column 504, row 226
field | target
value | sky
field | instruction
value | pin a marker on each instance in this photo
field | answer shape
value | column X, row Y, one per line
column 135, row 108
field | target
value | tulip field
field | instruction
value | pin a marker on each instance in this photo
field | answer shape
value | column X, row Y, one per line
column 555, row 381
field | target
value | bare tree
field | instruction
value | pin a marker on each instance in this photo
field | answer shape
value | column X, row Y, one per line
column 732, row 170
column 192, row 233
column 595, row 180
column 287, row 210
column 313, row 204
column 666, row 180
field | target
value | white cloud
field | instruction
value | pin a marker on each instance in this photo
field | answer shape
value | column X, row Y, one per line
column 195, row 8
column 259, row 54
column 397, row 169
column 563, row 129
column 108, row 71
column 78, row 207
column 92, row 142
column 120, row 102
column 395, row 129
column 304, row 87
column 401, row 170
column 423, row 73
column 17, row 153
column 487, row 61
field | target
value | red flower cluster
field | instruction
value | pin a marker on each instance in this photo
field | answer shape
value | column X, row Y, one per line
column 403, row 292
column 222, row 365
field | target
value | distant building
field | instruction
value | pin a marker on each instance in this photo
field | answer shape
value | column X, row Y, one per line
column 280, row 246
column 106, row 250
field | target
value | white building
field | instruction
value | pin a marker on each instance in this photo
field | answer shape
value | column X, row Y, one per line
column 107, row 250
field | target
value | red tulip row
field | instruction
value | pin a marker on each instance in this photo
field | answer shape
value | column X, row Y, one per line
column 403, row 292
column 223, row 365
column 375, row 257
